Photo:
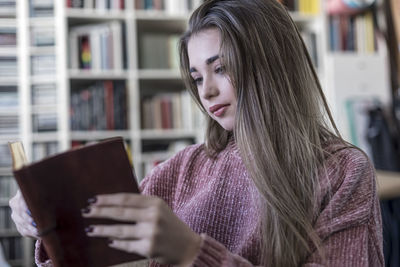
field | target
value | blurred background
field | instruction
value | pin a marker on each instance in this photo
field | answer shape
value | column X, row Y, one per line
column 78, row 71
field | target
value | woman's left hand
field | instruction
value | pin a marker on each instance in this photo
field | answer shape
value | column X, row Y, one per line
column 158, row 232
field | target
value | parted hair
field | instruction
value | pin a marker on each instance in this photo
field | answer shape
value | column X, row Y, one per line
column 282, row 118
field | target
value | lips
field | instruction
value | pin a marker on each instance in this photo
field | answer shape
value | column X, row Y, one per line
column 218, row 109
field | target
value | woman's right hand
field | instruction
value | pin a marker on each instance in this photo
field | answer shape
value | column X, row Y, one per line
column 21, row 217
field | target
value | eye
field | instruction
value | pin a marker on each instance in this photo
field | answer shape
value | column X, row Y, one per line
column 197, row 81
column 220, row 70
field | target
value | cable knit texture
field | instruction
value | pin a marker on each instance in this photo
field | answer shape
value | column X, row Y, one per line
column 217, row 199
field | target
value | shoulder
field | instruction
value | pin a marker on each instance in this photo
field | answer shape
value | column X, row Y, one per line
column 347, row 164
column 174, row 165
column 348, row 187
column 186, row 154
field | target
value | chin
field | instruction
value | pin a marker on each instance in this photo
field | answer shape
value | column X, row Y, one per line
column 227, row 126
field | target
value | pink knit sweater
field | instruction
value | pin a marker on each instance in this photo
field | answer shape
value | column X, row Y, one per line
column 217, row 199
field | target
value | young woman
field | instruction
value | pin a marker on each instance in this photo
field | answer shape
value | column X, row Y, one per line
column 272, row 185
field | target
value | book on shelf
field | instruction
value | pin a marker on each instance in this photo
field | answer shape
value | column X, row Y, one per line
column 43, row 64
column 97, row 46
column 8, row 97
column 167, row 111
column 7, row 8
column 169, row 6
column 311, row 7
column 44, row 122
column 6, row 223
column 157, row 151
column 8, row 66
column 353, row 33
column 42, row 35
column 395, row 9
column 150, row 4
column 310, row 40
column 44, row 94
column 12, row 247
column 395, row 14
column 41, row 8
column 77, row 3
column 7, row 3
column 344, row 7
column 9, row 124
column 5, row 159
column 8, row 36
column 8, row 188
column 99, row 106
column 357, row 110
column 158, row 51
column 97, row 4
column 56, row 204
column 43, row 149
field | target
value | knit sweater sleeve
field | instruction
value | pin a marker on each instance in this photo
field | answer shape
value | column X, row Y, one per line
column 349, row 222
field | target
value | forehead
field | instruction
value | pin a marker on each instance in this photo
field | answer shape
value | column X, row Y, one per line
column 203, row 45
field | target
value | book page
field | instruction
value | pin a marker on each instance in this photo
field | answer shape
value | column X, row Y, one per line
column 18, row 155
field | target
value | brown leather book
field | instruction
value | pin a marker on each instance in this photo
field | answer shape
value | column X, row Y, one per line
column 58, row 187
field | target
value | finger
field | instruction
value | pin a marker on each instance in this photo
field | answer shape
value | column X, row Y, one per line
column 24, row 227
column 117, row 213
column 124, row 199
column 121, row 231
column 20, row 211
column 17, row 203
column 30, row 231
column 23, row 221
column 15, row 200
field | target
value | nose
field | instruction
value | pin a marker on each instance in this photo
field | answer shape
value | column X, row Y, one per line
column 209, row 88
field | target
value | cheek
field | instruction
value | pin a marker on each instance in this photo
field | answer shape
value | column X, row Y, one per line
column 202, row 102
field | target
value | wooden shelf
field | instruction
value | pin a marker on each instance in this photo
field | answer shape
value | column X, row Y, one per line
column 388, row 184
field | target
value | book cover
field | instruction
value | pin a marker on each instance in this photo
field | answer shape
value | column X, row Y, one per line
column 57, row 188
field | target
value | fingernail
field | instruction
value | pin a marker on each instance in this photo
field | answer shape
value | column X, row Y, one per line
column 34, row 224
column 85, row 210
column 89, row 229
column 92, row 200
column 29, row 212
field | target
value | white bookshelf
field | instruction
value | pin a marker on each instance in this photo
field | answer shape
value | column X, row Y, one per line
column 64, row 77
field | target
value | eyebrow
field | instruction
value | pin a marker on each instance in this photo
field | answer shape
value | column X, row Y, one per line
column 208, row 62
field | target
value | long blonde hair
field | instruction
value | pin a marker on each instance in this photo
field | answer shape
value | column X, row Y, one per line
column 282, row 118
